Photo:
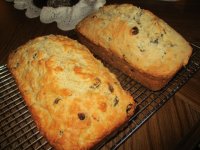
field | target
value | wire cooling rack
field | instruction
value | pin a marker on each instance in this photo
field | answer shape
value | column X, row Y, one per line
column 18, row 130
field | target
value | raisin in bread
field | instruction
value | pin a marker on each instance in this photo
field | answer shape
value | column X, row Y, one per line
column 74, row 100
column 137, row 42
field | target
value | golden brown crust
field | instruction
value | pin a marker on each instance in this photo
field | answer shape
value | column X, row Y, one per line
column 72, row 97
column 139, row 40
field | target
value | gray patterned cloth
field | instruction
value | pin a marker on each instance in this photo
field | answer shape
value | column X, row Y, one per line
column 54, row 3
column 58, row 3
column 66, row 13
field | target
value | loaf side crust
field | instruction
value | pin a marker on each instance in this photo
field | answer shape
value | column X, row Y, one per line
column 74, row 100
column 152, row 82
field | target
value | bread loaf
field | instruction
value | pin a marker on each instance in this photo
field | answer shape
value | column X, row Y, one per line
column 74, row 100
column 136, row 41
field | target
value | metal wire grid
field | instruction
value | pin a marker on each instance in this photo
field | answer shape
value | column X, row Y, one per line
column 18, row 130
column 148, row 102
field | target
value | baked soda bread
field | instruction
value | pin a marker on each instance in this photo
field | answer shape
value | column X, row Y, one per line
column 74, row 100
column 137, row 42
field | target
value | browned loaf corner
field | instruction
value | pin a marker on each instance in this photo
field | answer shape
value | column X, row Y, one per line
column 137, row 42
column 74, row 100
